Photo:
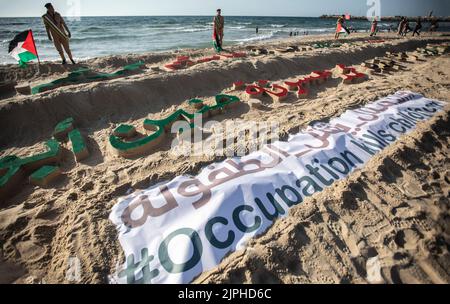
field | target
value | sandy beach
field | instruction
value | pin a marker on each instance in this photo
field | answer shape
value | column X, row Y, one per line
column 394, row 212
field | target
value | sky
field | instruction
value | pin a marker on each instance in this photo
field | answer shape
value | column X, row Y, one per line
column 301, row 8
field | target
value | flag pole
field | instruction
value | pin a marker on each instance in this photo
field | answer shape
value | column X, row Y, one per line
column 34, row 42
column 37, row 54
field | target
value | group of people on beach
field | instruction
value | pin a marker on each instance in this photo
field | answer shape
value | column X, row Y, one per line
column 403, row 27
column 305, row 33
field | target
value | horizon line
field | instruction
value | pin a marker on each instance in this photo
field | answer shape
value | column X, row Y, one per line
column 278, row 16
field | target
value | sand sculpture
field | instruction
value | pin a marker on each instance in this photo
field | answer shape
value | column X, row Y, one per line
column 84, row 75
column 42, row 169
column 123, row 144
column 300, row 86
column 183, row 62
column 126, row 142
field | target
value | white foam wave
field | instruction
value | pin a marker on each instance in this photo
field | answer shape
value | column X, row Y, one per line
column 256, row 38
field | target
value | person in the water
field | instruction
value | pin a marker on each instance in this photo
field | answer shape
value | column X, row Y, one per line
column 60, row 41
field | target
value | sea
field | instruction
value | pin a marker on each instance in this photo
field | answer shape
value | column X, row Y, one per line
column 100, row 36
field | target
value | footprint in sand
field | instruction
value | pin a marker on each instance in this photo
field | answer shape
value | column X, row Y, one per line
column 406, row 210
column 350, row 238
column 412, row 189
column 408, row 239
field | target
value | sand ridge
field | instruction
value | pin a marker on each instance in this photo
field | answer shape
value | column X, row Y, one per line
column 338, row 236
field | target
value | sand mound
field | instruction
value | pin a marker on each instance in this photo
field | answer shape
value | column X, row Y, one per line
column 392, row 214
column 32, row 118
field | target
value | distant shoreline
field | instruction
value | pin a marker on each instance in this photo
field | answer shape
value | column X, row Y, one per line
column 391, row 18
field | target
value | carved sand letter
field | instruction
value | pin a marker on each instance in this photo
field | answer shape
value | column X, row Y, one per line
column 79, row 147
column 45, row 175
column 121, row 140
column 350, row 75
column 14, row 169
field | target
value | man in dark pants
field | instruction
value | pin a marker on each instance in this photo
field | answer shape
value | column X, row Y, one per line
column 418, row 27
column 58, row 32
column 219, row 24
column 434, row 25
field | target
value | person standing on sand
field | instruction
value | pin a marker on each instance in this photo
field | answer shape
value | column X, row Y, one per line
column 339, row 26
column 406, row 28
column 57, row 30
column 434, row 25
column 374, row 28
column 339, row 23
column 401, row 25
column 219, row 24
column 418, row 27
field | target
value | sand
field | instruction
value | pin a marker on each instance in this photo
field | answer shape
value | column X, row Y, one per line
column 393, row 213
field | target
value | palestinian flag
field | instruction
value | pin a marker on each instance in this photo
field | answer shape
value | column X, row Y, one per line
column 23, row 48
column 342, row 29
column 216, row 42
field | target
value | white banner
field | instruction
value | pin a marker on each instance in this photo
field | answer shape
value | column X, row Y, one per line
column 174, row 231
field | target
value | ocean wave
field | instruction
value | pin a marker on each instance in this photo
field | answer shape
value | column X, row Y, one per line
column 320, row 30
column 124, row 36
column 194, row 30
column 277, row 25
column 92, row 28
column 14, row 23
column 182, row 29
column 94, row 38
column 79, row 37
column 256, row 38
